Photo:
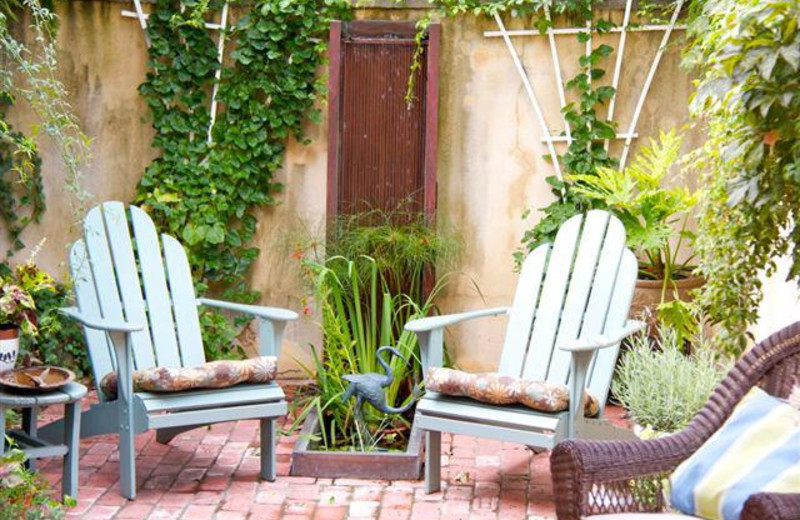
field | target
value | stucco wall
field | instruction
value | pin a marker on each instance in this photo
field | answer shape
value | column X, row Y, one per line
column 490, row 164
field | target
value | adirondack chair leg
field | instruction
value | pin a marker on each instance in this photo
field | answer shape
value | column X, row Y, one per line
column 268, row 456
column 433, row 461
column 127, row 455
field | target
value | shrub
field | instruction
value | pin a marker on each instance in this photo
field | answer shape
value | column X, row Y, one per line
column 662, row 387
column 25, row 495
column 58, row 340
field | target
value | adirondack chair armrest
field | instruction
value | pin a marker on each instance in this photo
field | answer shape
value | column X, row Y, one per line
column 604, row 340
column 100, row 323
column 273, row 321
column 430, row 333
column 439, row 322
column 267, row 313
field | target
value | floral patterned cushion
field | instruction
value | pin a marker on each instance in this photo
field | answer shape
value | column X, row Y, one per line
column 216, row 374
column 500, row 389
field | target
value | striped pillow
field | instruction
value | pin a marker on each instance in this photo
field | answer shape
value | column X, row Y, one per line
column 756, row 450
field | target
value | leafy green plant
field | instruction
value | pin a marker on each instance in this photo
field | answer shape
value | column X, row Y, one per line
column 746, row 57
column 359, row 316
column 367, row 281
column 208, row 180
column 18, row 288
column 662, row 387
column 21, row 188
column 655, row 216
column 30, row 73
column 26, row 495
column 59, row 340
column 404, row 244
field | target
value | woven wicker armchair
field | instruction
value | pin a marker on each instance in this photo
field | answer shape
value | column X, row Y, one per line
column 608, row 477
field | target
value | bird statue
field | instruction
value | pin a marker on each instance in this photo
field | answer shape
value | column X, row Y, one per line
column 369, row 387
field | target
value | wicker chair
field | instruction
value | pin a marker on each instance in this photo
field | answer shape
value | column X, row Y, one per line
column 608, row 478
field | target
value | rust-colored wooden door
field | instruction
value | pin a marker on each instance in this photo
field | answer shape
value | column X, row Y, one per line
column 382, row 151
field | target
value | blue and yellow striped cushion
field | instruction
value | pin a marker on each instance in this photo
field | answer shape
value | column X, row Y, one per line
column 756, row 450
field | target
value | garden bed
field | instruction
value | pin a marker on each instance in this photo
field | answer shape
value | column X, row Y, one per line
column 307, row 461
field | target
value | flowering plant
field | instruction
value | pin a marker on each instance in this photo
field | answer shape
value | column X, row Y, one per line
column 26, row 495
column 17, row 290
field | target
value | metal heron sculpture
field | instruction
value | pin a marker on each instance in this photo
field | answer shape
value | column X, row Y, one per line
column 369, row 387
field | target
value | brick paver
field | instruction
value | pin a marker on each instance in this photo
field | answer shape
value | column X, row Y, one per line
column 212, row 473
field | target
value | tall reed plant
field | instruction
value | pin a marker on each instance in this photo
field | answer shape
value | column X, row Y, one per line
column 360, row 313
column 366, row 283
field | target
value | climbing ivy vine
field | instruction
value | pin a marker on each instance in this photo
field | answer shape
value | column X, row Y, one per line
column 586, row 153
column 206, row 191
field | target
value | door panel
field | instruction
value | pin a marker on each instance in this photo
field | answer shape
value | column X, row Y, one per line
column 381, row 150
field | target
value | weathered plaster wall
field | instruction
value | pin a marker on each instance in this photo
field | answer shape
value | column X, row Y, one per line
column 490, row 165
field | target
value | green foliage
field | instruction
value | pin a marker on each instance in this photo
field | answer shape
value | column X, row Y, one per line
column 29, row 73
column 649, row 209
column 367, row 282
column 403, row 244
column 359, row 315
column 218, row 334
column 206, row 190
column 26, row 495
column 20, row 178
column 59, row 339
column 746, row 55
column 19, row 288
column 663, row 388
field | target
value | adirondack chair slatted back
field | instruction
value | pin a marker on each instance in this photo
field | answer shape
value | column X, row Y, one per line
column 121, row 275
column 580, row 287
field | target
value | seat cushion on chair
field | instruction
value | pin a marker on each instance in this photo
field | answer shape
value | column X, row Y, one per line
column 215, row 374
column 501, row 389
column 756, row 450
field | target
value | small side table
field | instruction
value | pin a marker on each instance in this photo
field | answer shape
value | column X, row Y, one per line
column 70, row 396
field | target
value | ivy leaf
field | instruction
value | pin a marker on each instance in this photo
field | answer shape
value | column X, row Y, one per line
column 215, row 235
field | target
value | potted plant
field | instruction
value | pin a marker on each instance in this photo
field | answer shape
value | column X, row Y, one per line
column 663, row 388
column 18, row 308
column 655, row 216
column 365, row 284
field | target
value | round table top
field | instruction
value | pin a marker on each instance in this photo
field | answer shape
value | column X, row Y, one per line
column 68, row 393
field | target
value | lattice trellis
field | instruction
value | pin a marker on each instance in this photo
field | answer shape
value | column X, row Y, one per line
column 548, row 138
column 222, row 27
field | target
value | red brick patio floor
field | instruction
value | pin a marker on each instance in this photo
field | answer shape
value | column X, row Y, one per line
column 212, row 473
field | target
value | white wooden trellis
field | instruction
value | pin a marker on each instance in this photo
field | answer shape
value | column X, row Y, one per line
column 549, row 139
column 222, row 27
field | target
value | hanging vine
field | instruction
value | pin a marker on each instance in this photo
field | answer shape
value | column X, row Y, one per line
column 206, row 192
column 29, row 73
column 21, row 189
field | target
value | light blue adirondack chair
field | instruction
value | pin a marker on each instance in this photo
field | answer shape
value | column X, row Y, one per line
column 569, row 315
column 137, row 304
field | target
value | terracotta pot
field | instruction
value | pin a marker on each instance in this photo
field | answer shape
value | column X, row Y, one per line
column 647, row 295
column 9, row 346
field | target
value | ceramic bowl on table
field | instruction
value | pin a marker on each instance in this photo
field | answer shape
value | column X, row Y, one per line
column 36, row 379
